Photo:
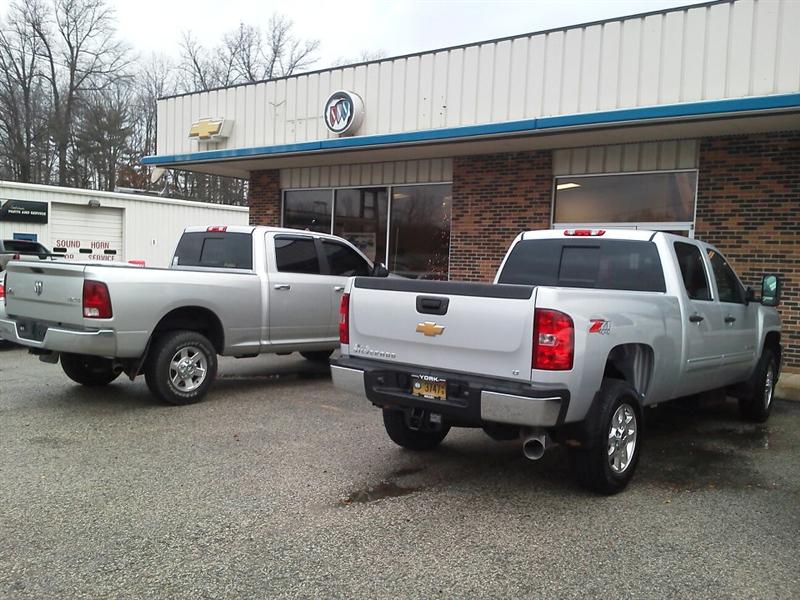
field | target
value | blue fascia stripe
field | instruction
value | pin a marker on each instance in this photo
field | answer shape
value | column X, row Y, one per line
column 609, row 117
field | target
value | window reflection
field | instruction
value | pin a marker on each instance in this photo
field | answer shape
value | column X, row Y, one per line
column 308, row 209
column 419, row 242
column 626, row 198
column 361, row 219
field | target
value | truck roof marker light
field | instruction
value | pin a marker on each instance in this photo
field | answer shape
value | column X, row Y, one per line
column 217, row 229
column 584, row 232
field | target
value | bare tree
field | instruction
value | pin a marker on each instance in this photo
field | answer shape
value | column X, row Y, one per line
column 246, row 54
column 81, row 54
column 24, row 108
column 364, row 56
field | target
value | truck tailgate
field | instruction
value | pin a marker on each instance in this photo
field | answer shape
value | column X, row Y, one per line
column 45, row 291
column 484, row 328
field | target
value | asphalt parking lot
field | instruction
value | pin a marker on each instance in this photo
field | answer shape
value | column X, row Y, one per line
column 279, row 485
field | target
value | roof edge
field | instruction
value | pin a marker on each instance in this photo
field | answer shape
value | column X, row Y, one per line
column 662, row 112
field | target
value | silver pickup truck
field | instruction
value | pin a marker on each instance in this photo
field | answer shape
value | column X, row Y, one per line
column 581, row 330
column 235, row 291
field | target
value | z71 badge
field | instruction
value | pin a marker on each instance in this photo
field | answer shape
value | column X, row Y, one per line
column 600, row 326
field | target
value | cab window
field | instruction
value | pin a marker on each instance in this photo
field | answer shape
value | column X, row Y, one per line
column 729, row 288
column 693, row 271
column 344, row 261
column 296, row 255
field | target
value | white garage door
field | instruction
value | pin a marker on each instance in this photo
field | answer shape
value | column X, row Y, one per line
column 84, row 233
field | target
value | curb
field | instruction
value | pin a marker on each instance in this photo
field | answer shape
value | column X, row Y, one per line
column 788, row 387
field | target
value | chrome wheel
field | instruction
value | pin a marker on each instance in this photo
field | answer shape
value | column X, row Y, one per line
column 622, row 439
column 188, row 369
column 769, row 387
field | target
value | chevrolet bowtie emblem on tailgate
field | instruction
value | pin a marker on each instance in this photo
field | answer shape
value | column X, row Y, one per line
column 429, row 328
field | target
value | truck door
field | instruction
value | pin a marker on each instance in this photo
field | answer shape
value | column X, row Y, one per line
column 299, row 298
column 702, row 346
column 342, row 262
column 739, row 321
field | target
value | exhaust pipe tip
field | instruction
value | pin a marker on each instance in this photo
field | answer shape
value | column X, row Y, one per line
column 533, row 448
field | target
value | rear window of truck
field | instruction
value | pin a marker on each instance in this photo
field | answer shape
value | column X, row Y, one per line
column 608, row 264
column 215, row 250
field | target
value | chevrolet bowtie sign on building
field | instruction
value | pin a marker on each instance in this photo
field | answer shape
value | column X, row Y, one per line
column 210, row 130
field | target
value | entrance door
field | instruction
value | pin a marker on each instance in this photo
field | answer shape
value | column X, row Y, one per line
column 81, row 232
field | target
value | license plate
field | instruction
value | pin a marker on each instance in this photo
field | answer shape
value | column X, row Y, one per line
column 435, row 390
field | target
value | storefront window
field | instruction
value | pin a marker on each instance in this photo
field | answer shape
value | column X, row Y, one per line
column 419, row 239
column 360, row 217
column 309, row 210
column 626, row 198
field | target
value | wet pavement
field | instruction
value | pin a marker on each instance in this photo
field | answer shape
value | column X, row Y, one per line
column 278, row 485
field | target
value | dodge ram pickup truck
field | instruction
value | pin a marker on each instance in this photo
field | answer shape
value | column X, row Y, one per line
column 580, row 331
column 235, row 291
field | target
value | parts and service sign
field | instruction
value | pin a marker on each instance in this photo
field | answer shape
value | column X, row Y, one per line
column 343, row 112
column 23, row 211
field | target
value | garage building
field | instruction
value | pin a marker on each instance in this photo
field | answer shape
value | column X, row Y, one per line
column 89, row 225
column 685, row 120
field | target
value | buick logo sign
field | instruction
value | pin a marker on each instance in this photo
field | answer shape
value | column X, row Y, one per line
column 343, row 112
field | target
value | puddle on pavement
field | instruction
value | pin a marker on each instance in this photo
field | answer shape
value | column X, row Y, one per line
column 385, row 489
column 404, row 471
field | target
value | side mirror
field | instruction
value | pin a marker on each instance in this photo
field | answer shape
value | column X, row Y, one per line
column 380, row 270
column 771, row 290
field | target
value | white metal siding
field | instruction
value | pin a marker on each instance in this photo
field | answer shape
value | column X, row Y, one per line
column 389, row 173
column 621, row 158
column 729, row 50
column 151, row 225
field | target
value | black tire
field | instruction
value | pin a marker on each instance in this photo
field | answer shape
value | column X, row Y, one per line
column 165, row 382
column 401, row 434
column 91, row 371
column 320, row 356
column 756, row 404
column 592, row 464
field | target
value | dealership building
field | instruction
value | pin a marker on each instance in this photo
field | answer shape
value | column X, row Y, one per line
column 685, row 120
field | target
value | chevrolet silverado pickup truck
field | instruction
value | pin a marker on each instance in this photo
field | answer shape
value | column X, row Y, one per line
column 580, row 331
column 234, row 291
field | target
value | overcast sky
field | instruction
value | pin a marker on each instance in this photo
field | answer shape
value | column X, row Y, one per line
column 345, row 28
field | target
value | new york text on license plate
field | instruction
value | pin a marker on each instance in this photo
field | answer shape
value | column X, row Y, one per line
column 435, row 390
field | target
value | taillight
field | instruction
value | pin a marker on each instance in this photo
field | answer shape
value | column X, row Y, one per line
column 553, row 340
column 96, row 300
column 217, row 229
column 3, row 289
column 344, row 319
column 584, row 232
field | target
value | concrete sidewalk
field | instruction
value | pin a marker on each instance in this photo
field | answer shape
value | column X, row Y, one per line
column 789, row 387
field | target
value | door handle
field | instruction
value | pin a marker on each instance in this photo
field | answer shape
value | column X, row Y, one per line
column 338, row 288
column 282, row 286
column 696, row 318
column 730, row 319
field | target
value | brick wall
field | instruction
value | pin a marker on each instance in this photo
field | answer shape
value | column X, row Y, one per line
column 495, row 197
column 264, row 195
column 749, row 207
